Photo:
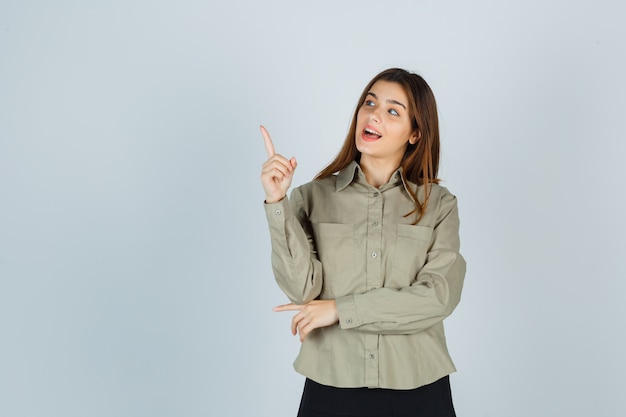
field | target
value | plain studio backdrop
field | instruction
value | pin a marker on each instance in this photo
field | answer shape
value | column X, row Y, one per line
column 135, row 275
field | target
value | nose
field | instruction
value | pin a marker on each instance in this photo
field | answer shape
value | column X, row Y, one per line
column 374, row 117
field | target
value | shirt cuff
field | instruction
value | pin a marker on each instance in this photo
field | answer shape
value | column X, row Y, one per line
column 346, row 309
column 276, row 213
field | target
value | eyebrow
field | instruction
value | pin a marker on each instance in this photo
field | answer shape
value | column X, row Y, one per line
column 388, row 101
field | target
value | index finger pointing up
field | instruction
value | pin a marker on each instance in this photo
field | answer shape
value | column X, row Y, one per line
column 269, row 146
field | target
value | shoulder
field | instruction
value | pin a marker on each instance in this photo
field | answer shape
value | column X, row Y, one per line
column 323, row 186
column 442, row 203
column 439, row 192
column 316, row 192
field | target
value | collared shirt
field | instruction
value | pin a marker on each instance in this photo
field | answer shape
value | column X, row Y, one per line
column 394, row 282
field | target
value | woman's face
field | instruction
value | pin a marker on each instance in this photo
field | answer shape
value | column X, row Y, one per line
column 383, row 126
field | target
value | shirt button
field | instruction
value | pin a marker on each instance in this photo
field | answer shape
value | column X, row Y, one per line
column 372, row 356
column 375, row 224
column 376, row 194
column 349, row 321
column 278, row 212
column 374, row 254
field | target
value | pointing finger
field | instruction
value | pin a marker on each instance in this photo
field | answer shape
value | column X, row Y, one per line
column 288, row 307
column 269, row 146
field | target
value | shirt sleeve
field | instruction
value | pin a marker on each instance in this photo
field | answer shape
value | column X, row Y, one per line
column 433, row 296
column 296, row 267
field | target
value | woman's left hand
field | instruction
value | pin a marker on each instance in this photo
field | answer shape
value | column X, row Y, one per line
column 312, row 315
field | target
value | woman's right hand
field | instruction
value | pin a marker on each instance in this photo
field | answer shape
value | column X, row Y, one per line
column 277, row 171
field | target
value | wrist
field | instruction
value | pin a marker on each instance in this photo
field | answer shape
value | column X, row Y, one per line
column 272, row 200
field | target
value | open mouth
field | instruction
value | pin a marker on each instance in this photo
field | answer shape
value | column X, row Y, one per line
column 371, row 134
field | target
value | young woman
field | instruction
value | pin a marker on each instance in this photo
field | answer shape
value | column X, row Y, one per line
column 368, row 254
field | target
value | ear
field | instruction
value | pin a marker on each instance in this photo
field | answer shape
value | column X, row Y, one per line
column 415, row 137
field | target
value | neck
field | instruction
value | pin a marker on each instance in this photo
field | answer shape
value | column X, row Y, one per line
column 377, row 172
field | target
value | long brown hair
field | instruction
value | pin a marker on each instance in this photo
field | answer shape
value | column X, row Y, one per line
column 420, row 163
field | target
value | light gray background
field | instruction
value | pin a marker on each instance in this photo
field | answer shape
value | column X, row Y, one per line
column 134, row 255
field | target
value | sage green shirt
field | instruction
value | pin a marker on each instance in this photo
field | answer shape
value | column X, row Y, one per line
column 394, row 283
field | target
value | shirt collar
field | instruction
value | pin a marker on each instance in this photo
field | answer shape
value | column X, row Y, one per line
column 350, row 174
column 347, row 175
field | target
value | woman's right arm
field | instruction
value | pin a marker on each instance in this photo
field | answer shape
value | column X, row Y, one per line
column 297, row 270
column 296, row 267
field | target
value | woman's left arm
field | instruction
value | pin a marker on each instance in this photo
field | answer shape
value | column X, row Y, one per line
column 431, row 298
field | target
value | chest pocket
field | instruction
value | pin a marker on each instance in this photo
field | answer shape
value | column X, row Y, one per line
column 335, row 247
column 411, row 248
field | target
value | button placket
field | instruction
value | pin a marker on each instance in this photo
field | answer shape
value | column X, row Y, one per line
column 373, row 278
column 374, row 240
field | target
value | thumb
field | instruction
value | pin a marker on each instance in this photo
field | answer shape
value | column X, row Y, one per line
column 293, row 163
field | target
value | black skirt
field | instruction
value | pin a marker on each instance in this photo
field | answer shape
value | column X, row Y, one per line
column 433, row 400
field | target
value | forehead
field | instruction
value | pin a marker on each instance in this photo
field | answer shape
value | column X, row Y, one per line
column 388, row 90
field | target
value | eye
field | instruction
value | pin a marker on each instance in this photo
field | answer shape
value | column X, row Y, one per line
column 369, row 103
column 393, row 112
